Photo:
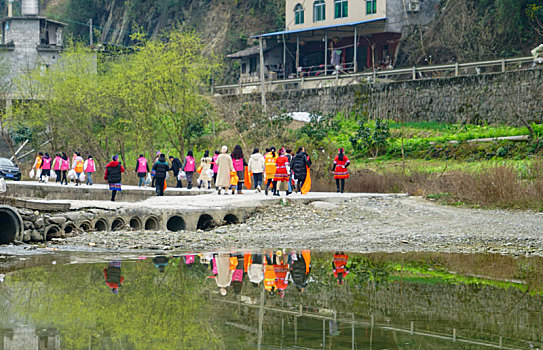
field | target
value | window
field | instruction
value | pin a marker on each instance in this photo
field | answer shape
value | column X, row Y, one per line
column 371, row 7
column 319, row 11
column 341, row 8
column 298, row 14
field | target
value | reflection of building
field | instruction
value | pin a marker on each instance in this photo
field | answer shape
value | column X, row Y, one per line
column 28, row 338
column 333, row 36
column 30, row 40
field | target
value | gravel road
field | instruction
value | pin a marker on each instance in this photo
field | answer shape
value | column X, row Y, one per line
column 351, row 224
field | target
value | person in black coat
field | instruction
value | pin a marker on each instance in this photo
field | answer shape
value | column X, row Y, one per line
column 161, row 168
column 176, row 167
column 299, row 165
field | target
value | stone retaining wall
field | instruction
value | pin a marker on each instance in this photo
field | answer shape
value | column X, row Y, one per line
column 504, row 98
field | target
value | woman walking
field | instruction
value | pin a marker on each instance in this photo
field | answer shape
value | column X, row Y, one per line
column 46, row 167
column 205, row 166
column 89, row 168
column 189, row 167
column 57, row 163
column 64, row 167
column 224, row 167
column 239, row 166
column 37, row 165
column 142, row 168
column 281, row 172
column 215, row 167
column 160, row 168
column 77, row 165
column 341, row 162
column 113, row 176
column 300, row 163
column 256, row 166
column 269, row 162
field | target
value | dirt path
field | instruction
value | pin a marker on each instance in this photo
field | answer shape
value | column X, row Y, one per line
column 353, row 224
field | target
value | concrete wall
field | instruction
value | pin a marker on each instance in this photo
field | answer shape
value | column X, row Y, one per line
column 356, row 12
column 492, row 98
column 395, row 11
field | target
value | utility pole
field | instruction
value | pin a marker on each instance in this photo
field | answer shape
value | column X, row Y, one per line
column 262, row 83
column 90, row 32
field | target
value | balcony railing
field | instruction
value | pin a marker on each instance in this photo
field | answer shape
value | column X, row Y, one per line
column 344, row 77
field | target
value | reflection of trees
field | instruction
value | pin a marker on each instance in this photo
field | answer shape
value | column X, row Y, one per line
column 182, row 308
column 164, row 315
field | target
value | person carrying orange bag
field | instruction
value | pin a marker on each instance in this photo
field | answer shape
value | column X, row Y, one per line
column 248, row 175
column 234, row 179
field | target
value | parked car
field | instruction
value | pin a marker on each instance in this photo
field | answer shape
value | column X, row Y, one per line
column 8, row 170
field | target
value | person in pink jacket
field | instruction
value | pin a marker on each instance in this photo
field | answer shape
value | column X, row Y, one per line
column 239, row 166
column 142, row 168
column 215, row 167
column 189, row 168
column 57, row 163
column 89, row 168
column 45, row 168
column 64, row 167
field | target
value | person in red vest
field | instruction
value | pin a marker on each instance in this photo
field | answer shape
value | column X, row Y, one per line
column 113, row 277
column 341, row 162
column 339, row 266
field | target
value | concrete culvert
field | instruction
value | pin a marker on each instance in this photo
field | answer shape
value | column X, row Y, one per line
column 11, row 227
column 176, row 223
column 85, row 226
column 69, row 227
column 51, row 231
column 230, row 219
column 117, row 224
column 151, row 224
column 100, row 225
column 205, row 222
column 135, row 223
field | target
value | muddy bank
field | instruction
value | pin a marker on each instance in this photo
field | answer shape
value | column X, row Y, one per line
column 355, row 224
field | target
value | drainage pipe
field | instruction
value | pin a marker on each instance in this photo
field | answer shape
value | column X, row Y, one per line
column 11, row 225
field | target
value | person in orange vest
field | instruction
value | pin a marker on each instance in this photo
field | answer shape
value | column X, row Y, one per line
column 281, row 276
column 269, row 276
column 37, row 165
column 341, row 162
column 77, row 165
column 339, row 266
column 269, row 165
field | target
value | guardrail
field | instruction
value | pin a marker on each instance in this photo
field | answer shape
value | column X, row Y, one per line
column 401, row 74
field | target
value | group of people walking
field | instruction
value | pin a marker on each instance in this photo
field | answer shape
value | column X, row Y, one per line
column 274, row 271
column 78, row 169
column 229, row 172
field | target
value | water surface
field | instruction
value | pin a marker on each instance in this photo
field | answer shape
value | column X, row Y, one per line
column 385, row 301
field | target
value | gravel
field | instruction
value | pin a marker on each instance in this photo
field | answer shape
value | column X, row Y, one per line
column 355, row 225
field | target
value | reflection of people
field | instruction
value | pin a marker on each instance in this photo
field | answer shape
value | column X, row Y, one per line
column 300, row 268
column 113, row 276
column 224, row 273
column 161, row 261
column 255, row 269
column 339, row 265
column 237, row 265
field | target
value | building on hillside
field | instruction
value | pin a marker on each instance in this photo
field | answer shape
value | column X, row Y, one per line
column 28, row 41
column 323, row 37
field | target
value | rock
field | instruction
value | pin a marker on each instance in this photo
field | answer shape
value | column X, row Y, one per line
column 28, row 225
column 35, row 236
column 27, row 236
column 59, row 220
column 324, row 205
column 39, row 223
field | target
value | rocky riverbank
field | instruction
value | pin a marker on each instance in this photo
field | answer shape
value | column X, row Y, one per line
column 354, row 224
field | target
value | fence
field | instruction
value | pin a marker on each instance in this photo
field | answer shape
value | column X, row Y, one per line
column 401, row 74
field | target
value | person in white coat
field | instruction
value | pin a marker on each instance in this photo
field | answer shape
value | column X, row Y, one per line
column 256, row 166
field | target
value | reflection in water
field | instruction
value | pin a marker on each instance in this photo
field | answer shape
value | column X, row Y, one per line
column 272, row 299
